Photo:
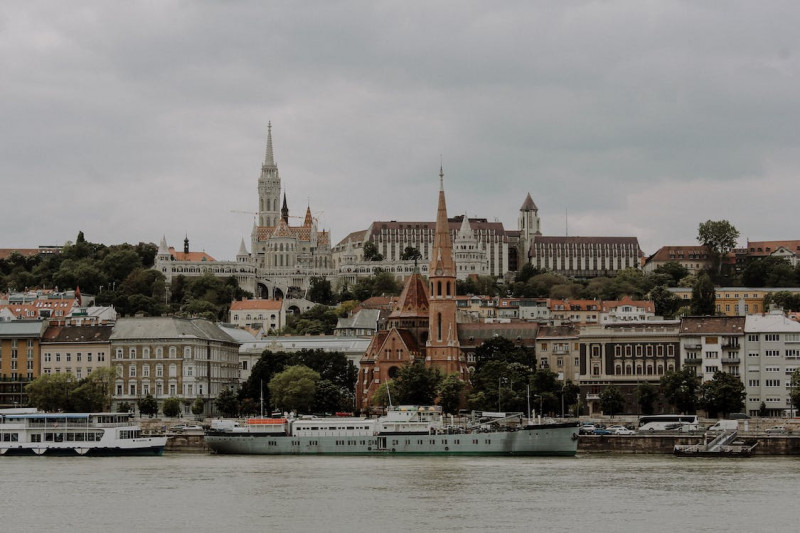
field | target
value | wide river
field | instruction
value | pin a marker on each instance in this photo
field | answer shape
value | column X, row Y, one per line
column 196, row 492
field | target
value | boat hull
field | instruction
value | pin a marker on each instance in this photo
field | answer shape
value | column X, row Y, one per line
column 541, row 440
column 153, row 446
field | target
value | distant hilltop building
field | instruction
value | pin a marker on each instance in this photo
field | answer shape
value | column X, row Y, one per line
column 585, row 257
column 283, row 256
column 480, row 247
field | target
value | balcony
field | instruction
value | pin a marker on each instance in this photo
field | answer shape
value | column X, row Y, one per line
column 731, row 346
column 692, row 360
column 592, row 397
column 730, row 360
column 692, row 346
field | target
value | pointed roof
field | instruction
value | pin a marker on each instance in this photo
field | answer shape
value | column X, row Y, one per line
column 162, row 248
column 528, row 204
column 442, row 263
column 465, row 232
column 282, row 229
column 269, row 160
column 309, row 220
column 242, row 248
column 413, row 301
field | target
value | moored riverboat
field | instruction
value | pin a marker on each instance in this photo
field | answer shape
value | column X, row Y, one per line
column 30, row 432
column 404, row 430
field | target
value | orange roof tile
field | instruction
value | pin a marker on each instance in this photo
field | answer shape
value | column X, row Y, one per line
column 191, row 256
column 243, row 305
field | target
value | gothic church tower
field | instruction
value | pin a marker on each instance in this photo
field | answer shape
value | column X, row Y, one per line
column 443, row 350
column 269, row 188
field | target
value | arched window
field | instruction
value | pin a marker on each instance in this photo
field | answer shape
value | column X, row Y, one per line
column 439, row 322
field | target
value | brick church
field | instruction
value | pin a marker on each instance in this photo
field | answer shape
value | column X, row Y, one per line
column 422, row 324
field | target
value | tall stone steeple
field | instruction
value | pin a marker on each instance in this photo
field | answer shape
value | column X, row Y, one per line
column 269, row 187
column 443, row 350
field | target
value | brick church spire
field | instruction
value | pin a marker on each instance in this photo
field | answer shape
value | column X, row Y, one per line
column 443, row 349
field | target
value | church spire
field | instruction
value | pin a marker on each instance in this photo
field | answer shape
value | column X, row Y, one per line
column 442, row 263
column 285, row 210
column 269, row 160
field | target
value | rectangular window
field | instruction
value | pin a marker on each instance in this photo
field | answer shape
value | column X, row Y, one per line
column 712, row 369
column 78, row 357
column 772, row 337
column 752, row 338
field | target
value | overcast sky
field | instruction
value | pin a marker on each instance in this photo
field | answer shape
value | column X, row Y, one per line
column 132, row 120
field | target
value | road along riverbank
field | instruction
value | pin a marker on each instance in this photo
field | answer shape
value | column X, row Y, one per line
column 665, row 444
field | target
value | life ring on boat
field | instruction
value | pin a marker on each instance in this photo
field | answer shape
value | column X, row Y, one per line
column 393, row 450
column 369, row 448
column 447, row 448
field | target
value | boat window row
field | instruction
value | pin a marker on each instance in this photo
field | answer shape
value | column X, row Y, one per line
column 82, row 436
column 355, row 442
column 130, row 434
column 10, row 437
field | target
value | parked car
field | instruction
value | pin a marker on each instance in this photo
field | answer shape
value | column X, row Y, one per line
column 601, row 431
column 776, row 430
column 586, row 429
column 615, row 427
column 622, row 430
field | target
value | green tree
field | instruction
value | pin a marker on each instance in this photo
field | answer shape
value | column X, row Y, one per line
column 719, row 237
column 646, row 397
column 769, row 271
column 227, row 403
column 51, row 392
column 124, row 407
column 783, row 299
column 148, row 406
column 417, row 384
column 450, row 391
column 198, row 406
column 320, row 291
column 411, row 254
column 385, row 391
column 294, row 389
column 794, row 389
column 330, row 398
column 318, row 320
column 666, row 304
column 674, row 270
column 680, row 388
column 94, row 393
column 611, row 401
column 503, row 349
column 704, row 297
column 371, row 252
column 724, row 393
column 171, row 407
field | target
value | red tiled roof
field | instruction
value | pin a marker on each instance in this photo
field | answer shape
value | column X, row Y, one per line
column 5, row 253
column 243, row 305
column 764, row 248
column 696, row 325
column 413, row 301
column 191, row 256
column 680, row 253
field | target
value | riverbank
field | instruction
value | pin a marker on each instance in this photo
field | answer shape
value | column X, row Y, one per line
column 665, row 444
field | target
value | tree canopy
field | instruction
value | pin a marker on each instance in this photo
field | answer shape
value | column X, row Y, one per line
column 680, row 388
column 294, row 389
column 724, row 394
column 719, row 237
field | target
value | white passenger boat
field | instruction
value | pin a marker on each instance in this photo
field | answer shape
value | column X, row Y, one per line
column 404, row 430
column 29, row 432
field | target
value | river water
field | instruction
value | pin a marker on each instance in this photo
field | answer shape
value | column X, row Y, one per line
column 197, row 492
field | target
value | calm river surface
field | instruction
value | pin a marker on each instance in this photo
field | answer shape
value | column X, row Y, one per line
column 188, row 492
